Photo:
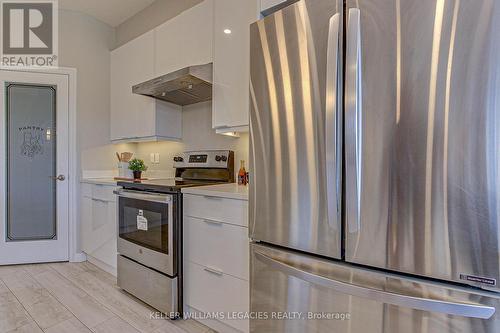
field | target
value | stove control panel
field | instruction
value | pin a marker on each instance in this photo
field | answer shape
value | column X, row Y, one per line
column 198, row 158
column 220, row 158
column 205, row 159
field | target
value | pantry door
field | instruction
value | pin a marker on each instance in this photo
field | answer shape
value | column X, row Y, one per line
column 33, row 167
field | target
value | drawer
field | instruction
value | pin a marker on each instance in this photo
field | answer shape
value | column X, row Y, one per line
column 218, row 245
column 215, row 208
column 86, row 190
column 155, row 289
column 209, row 292
column 103, row 192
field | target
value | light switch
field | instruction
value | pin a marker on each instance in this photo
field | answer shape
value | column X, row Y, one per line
column 157, row 158
column 152, row 157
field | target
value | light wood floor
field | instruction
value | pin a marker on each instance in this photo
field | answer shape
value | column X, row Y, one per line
column 75, row 298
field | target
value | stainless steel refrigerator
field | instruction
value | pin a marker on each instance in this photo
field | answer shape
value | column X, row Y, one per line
column 375, row 140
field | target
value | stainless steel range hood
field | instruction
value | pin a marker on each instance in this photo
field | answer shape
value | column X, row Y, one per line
column 183, row 87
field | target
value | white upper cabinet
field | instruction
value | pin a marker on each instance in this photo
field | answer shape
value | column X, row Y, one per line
column 135, row 117
column 130, row 64
column 185, row 40
column 232, row 19
column 267, row 4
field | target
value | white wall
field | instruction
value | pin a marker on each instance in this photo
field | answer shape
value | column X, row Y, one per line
column 197, row 135
column 150, row 17
column 84, row 44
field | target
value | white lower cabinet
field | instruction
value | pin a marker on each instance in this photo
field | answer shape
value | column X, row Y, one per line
column 216, row 261
column 98, row 226
column 210, row 291
column 224, row 246
column 217, row 209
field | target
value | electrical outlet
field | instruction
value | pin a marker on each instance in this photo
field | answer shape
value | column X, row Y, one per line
column 157, row 158
column 152, row 157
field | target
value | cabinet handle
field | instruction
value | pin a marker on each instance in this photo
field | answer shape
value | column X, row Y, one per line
column 213, row 271
column 212, row 222
column 100, row 200
column 212, row 198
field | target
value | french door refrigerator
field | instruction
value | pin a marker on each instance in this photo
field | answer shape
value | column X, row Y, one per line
column 375, row 139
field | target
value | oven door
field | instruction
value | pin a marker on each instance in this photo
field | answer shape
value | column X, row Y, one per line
column 145, row 229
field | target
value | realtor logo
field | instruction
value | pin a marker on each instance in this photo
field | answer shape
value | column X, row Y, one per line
column 29, row 32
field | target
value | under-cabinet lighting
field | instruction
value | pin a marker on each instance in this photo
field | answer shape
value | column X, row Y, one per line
column 232, row 134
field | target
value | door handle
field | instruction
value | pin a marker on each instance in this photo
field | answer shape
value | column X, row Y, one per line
column 332, row 122
column 60, row 178
column 472, row 310
column 354, row 124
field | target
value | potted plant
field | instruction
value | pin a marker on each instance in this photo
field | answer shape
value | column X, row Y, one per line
column 137, row 166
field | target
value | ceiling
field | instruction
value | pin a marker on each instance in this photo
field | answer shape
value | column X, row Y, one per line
column 111, row 12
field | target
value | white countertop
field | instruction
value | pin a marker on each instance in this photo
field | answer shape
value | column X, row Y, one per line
column 99, row 181
column 231, row 191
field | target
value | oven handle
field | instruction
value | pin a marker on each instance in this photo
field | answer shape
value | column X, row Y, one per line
column 147, row 196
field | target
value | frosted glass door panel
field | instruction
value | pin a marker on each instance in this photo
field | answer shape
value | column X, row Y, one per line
column 31, row 160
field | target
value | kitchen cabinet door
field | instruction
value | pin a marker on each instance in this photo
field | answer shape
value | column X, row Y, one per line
column 232, row 19
column 99, row 226
column 185, row 40
column 132, row 115
column 85, row 222
column 214, row 292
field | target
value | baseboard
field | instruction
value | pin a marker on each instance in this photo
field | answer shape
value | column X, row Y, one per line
column 105, row 267
column 78, row 257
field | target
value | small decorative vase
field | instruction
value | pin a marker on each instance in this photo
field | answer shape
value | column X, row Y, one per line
column 137, row 175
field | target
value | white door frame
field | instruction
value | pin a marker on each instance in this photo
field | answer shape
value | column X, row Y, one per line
column 75, row 254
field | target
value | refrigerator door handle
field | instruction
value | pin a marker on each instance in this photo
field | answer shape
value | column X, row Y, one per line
column 471, row 310
column 354, row 115
column 332, row 122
